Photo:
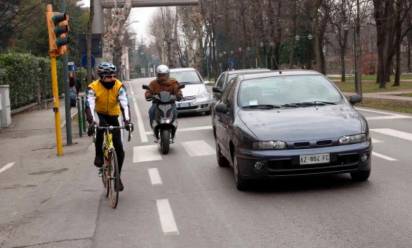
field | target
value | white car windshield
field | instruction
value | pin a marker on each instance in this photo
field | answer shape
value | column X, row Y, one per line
column 288, row 91
column 186, row 77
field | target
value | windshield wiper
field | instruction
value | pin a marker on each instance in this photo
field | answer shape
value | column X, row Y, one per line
column 307, row 104
column 262, row 106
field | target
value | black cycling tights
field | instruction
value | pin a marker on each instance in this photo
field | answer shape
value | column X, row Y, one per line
column 117, row 139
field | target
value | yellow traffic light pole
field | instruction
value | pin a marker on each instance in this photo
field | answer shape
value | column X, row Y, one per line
column 55, row 87
column 56, row 105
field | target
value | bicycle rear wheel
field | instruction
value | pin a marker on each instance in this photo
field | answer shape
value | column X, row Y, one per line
column 105, row 179
column 114, row 181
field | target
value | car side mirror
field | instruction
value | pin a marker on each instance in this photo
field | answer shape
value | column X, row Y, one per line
column 216, row 90
column 221, row 108
column 145, row 87
column 355, row 99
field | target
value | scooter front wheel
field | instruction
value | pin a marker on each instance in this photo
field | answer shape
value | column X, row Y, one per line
column 165, row 141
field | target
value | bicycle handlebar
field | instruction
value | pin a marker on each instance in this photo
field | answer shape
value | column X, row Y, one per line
column 111, row 128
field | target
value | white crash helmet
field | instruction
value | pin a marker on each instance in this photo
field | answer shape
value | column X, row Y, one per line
column 162, row 70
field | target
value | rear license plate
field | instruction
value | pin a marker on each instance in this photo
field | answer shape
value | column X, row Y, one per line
column 315, row 159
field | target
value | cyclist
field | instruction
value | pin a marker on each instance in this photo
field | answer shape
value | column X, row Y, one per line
column 108, row 98
column 163, row 82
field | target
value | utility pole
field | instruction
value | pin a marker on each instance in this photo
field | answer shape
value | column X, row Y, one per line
column 66, row 90
column 358, row 51
column 89, row 43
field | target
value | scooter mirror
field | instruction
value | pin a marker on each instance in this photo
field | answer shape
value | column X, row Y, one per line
column 145, row 87
column 182, row 86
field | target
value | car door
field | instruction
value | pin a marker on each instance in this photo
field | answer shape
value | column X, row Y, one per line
column 225, row 120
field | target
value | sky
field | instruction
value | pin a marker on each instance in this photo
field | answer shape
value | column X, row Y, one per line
column 140, row 15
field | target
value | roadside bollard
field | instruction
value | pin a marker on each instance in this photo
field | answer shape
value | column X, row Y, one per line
column 80, row 116
column 84, row 114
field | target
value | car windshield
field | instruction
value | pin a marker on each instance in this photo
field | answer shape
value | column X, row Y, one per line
column 187, row 77
column 288, row 91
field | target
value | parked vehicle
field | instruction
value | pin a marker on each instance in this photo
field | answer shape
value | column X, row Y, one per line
column 290, row 123
column 196, row 97
column 226, row 77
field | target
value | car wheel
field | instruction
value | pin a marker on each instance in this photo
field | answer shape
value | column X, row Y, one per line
column 241, row 184
column 221, row 160
column 360, row 176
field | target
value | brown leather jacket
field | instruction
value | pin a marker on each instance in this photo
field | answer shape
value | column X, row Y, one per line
column 171, row 85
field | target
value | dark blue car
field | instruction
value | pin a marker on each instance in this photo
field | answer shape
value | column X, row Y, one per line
column 290, row 123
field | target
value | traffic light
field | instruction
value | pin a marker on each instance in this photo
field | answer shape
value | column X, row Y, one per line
column 58, row 27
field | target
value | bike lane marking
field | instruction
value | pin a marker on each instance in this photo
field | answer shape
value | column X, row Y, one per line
column 6, row 167
column 140, row 124
column 167, row 219
column 154, row 175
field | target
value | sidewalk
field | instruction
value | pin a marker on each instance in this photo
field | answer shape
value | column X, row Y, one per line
column 39, row 183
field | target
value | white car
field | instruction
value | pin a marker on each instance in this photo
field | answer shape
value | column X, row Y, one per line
column 196, row 97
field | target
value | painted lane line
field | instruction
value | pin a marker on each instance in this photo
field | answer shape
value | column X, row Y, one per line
column 394, row 133
column 394, row 117
column 6, row 167
column 189, row 129
column 380, row 112
column 167, row 220
column 154, row 175
column 384, row 157
column 198, row 148
column 376, row 141
column 140, row 124
column 146, row 154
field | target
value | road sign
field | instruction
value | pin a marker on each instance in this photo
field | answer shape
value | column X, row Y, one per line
column 97, row 45
column 84, row 61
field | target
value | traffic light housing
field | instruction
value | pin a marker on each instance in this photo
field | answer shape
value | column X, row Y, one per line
column 58, row 29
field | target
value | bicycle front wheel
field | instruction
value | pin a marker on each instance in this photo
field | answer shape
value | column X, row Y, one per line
column 114, row 181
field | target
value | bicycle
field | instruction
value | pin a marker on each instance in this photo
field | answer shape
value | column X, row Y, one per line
column 110, row 168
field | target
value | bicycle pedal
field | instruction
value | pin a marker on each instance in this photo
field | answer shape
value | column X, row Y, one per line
column 100, row 172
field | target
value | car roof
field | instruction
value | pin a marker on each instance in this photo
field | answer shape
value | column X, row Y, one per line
column 247, row 71
column 182, row 69
column 278, row 73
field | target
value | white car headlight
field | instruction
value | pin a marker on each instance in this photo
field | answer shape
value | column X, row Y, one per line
column 353, row 139
column 269, row 145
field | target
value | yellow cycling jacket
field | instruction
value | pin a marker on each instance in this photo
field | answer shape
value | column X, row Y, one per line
column 107, row 100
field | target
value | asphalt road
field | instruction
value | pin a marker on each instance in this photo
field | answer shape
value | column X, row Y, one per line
column 185, row 200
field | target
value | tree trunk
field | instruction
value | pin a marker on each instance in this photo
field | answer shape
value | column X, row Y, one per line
column 89, row 43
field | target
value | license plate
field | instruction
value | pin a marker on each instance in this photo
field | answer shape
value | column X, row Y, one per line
column 184, row 105
column 315, row 159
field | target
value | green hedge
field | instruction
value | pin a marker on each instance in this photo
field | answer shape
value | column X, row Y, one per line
column 26, row 74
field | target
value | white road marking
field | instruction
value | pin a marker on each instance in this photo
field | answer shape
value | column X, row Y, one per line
column 140, row 124
column 198, row 148
column 384, row 157
column 394, row 133
column 146, row 154
column 154, row 175
column 189, row 129
column 6, row 167
column 378, row 112
column 392, row 117
column 167, row 220
column 376, row 141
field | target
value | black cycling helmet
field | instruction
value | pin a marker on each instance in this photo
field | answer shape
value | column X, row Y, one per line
column 105, row 69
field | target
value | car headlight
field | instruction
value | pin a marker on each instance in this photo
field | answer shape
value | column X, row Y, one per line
column 353, row 139
column 269, row 145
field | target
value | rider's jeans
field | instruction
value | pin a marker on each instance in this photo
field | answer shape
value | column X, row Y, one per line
column 105, row 120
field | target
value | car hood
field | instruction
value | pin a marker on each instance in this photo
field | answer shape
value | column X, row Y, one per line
column 303, row 124
column 193, row 89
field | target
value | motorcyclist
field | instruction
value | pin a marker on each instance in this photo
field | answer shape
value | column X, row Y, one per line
column 108, row 98
column 163, row 82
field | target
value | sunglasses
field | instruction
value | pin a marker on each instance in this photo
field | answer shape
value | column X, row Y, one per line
column 112, row 76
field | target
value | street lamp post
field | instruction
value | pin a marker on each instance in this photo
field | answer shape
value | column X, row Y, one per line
column 357, row 48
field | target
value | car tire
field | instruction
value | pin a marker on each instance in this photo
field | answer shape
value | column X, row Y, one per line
column 221, row 160
column 241, row 183
column 360, row 176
